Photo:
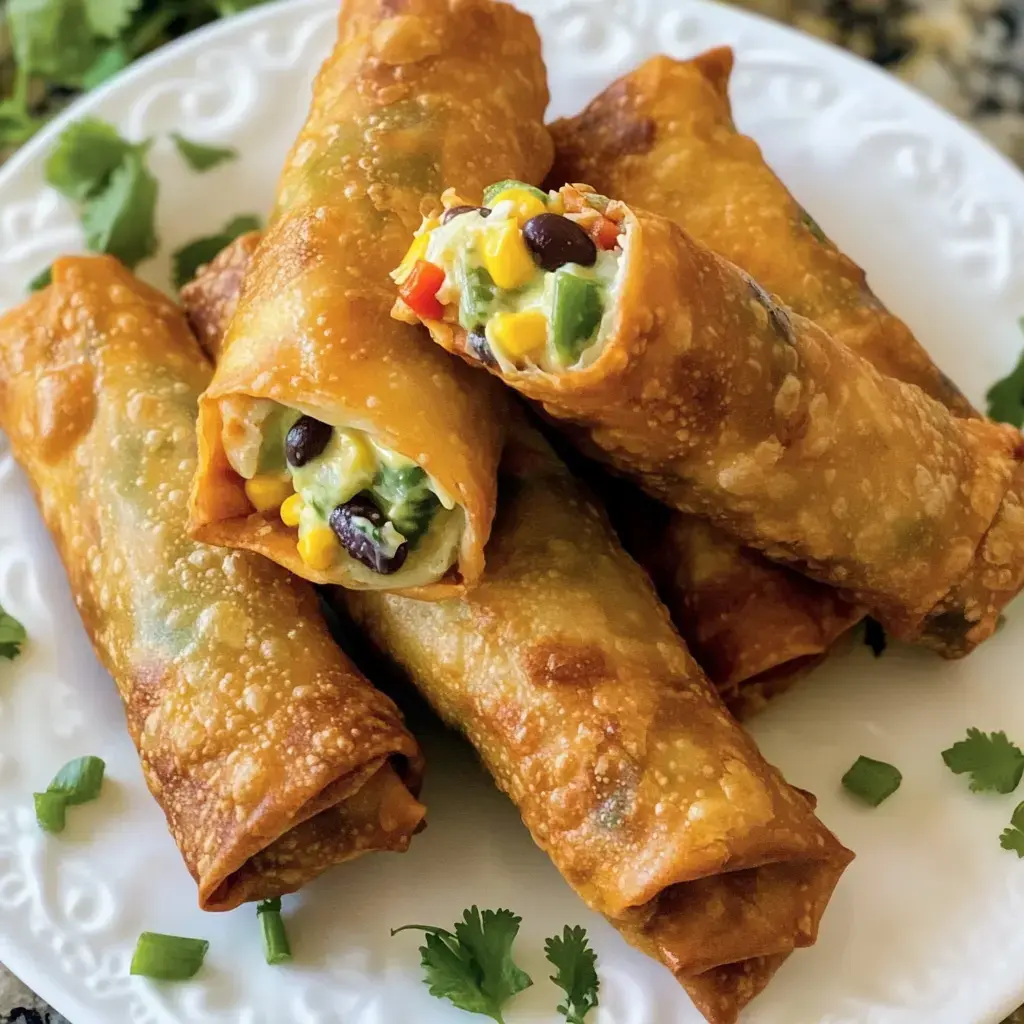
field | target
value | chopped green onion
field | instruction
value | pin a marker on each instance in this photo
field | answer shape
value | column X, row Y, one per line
column 168, row 957
column 492, row 191
column 276, row 947
column 872, row 781
column 51, row 811
column 79, row 781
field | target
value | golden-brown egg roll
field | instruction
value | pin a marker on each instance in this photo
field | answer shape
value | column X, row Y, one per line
column 563, row 670
column 272, row 757
column 387, row 450
column 676, row 368
column 565, row 637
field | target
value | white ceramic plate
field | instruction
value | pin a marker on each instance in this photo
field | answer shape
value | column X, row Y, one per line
column 926, row 925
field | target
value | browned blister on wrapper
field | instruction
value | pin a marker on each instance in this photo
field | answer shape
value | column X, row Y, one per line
column 270, row 754
column 417, row 94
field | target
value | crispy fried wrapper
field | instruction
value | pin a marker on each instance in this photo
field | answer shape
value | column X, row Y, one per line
column 272, row 757
column 416, row 94
column 755, row 627
column 663, row 138
column 563, row 670
column 719, row 401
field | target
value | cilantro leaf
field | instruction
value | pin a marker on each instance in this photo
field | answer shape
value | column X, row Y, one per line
column 993, row 761
column 576, row 972
column 473, row 967
column 17, row 125
column 42, row 279
column 120, row 220
column 107, row 64
column 85, row 157
column 1006, row 397
column 12, row 636
column 190, row 257
column 51, row 38
column 1012, row 838
column 199, row 157
column 109, row 18
column 874, row 636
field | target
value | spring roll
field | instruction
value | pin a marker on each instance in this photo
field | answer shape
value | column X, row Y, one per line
column 563, row 670
column 332, row 439
column 676, row 368
column 271, row 756
column 565, row 638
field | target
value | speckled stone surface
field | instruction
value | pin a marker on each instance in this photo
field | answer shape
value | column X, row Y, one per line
column 968, row 55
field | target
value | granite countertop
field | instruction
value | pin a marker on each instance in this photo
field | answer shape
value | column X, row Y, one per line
column 968, row 55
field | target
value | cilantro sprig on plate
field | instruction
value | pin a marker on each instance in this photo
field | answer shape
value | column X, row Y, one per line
column 12, row 636
column 576, row 972
column 72, row 45
column 993, row 762
column 472, row 965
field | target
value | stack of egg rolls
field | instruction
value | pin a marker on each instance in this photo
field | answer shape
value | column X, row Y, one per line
column 719, row 401
column 272, row 757
column 416, row 94
column 563, row 670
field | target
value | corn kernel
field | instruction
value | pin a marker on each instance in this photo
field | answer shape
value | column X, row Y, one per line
column 318, row 547
column 518, row 334
column 526, row 204
column 506, row 257
column 291, row 509
column 356, row 459
column 267, row 492
column 416, row 251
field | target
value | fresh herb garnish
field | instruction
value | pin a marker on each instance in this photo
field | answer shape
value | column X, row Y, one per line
column 42, row 280
column 276, row 947
column 12, row 635
column 78, row 782
column 472, row 966
column 199, row 157
column 70, row 45
column 576, row 972
column 874, row 636
column 1006, row 397
column 872, row 781
column 190, row 257
column 992, row 760
column 1012, row 838
column 168, row 957
column 108, row 178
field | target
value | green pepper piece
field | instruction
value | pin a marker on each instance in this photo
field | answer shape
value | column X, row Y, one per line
column 477, row 296
column 406, row 499
column 576, row 311
column 492, row 191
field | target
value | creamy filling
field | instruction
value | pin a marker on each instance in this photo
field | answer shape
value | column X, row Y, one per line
column 524, row 302
column 355, row 503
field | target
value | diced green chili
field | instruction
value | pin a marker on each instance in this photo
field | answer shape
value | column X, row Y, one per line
column 575, row 314
column 477, row 295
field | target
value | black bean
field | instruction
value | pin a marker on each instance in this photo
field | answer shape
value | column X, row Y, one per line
column 555, row 241
column 476, row 344
column 306, row 440
column 358, row 542
column 458, row 211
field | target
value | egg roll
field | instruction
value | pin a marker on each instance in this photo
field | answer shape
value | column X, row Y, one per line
column 271, row 756
column 333, row 440
column 563, row 670
column 678, row 370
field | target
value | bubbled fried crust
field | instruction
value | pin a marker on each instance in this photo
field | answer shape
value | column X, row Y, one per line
column 663, row 138
column 417, row 94
column 270, row 755
column 720, row 402
column 564, row 672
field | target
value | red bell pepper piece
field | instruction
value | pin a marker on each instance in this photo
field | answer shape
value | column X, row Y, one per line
column 605, row 233
column 420, row 288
